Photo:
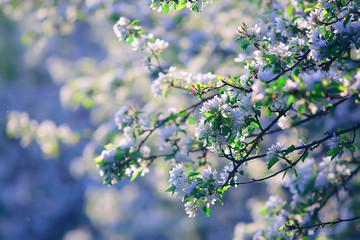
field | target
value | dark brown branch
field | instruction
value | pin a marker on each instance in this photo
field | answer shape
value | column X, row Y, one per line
column 160, row 123
column 320, row 113
column 324, row 201
column 294, row 227
column 253, row 146
column 307, row 147
column 276, row 173
column 236, row 87
column 303, row 57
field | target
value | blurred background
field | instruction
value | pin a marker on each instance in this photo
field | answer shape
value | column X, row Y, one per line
column 63, row 75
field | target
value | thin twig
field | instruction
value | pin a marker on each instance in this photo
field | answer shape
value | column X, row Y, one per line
column 294, row 227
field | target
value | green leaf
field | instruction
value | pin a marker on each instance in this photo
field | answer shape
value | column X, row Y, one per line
column 241, row 37
column 193, row 174
column 305, row 156
column 263, row 211
column 206, row 211
column 209, row 182
column 346, row 21
column 284, row 174
column 281, row 82
column 220, row 201
column 195, row 9
column 310, row 185
column 209, row 117
column 296, row 173
column 222, row 90
column 251, row 130
column 290, row 149
column 290, row 100
column 171, row 189
column 352, row 148
column 244, row 45
column 268, row 112
column 99, row 161
column 257, row 112
column 226, row 131
column 332, row 153
column 323, row 30
column 211, row 188
column 302, row 108
column 255, row 125
column 290, row 10
column 180, row 5
column 272, row 162
column 166, row 7
column 134, row 176
column 136, row 21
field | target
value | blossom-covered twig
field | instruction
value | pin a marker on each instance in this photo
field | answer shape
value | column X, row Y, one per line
column 253, row 146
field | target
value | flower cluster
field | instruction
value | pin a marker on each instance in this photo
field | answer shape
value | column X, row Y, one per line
column 165, row 5
column 195, row 189
column 129, row 31
column 228, row 120
column 273, row 150
column 117, row 161
column 129, row 116
column 182, row 79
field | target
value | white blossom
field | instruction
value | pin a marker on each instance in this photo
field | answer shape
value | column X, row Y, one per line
column 121, row 117
column 145, row 151
column 121, row 28
column 158, row 46
column 208, row 174
column 334, row 141
column 224, row 175
column 107, row 155
column 190, row 208
column 273, row 150
column 284, row 122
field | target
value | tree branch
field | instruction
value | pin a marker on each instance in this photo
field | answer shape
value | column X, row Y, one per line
column 253, row 146
column 323, row 224
column 307, row 147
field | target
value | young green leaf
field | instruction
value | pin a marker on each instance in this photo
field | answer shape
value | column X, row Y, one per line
column 272, row 162
column 166, row 7
column 191, row 174
column 206, row 211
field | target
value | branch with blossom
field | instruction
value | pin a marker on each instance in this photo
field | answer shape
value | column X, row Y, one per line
column 301, row 66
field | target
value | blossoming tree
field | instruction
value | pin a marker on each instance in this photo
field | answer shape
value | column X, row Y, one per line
column 301, row 81
column 302, row 73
